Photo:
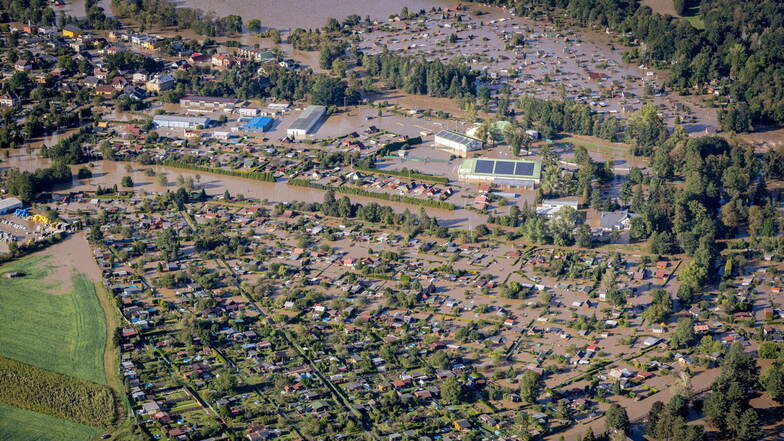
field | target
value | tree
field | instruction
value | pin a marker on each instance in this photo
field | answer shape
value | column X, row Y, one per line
column 645, row 129
column 736, row 118
column 748, row 428
column 773, row 380
column 451, row 391
column 684, row 333
column 531, row 385
column 254, row 25
column 616, row 418
column 126, row 181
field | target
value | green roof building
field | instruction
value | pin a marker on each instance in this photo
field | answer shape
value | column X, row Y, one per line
column 509, row 173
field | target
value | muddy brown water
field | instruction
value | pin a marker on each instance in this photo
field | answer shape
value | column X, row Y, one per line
column 309, row 13
column 109, row 173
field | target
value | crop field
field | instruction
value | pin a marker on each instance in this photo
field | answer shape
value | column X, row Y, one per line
column 50, row 317
column 20, row 424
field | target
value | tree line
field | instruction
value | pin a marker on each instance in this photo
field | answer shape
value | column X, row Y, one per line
column 422, row 77
column 27, row 185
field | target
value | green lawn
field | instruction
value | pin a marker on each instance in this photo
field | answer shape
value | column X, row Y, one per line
column 19, row 424
column 46, row 327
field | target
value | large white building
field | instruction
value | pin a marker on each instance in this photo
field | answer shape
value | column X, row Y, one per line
column 306, row 122
column 8, row 205
column 457, row 143
column 504, row 173
column 180, row 122
column 193, row 103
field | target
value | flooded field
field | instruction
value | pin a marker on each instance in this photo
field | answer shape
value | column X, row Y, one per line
column 308, row 13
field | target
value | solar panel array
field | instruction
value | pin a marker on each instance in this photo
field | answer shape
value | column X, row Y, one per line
column 483, row 166
column 524, row 169
column 504, row 167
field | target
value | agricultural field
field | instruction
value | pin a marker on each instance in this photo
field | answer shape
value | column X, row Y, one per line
column 20, row 424
column 51, row 318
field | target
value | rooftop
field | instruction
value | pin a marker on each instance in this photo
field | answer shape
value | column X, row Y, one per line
column 502, row 168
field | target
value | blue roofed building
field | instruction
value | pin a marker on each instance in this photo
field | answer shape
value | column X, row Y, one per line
column 258, row 124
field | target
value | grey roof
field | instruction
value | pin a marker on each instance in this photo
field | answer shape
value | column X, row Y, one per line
column 308, row 118
column 613, row 219
column 471, row 143
column 9, row 203
column 201, row 120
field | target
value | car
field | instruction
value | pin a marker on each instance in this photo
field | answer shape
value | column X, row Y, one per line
column 105, row 436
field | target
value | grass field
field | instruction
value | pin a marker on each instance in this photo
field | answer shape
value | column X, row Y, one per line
column 41, row 325
column 19, row 424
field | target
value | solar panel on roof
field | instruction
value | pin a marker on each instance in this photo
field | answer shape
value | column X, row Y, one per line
column 524, row 169
column 504, row 167
column 483, row 166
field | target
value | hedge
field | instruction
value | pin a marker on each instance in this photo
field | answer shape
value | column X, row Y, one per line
column 50, row 393
column 394, row 146
column 373, row 195
column 258, row 176
column 407, row 174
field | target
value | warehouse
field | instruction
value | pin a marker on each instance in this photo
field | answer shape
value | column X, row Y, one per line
column 8, row 205
column 306, row 122
column 524, row 174
column 258, row 124
column 192, row 103
column 457, row 143
column 180, row 122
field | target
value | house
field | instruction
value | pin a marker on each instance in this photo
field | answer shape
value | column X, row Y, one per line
column 23, row 66
column 71, row 31
column 9, row 99
column 160, row 83
column 550, row 207
column 119, row 82
column 462, row 425
column 615, row 220
column 140, row 77
column 104, row 90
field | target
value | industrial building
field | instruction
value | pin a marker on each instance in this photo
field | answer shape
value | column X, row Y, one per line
column 306, row 122
column 8, row 205
column 524, row 174
column 180, row 122
column 192, row 103
column 457, row 143
column 258, row 124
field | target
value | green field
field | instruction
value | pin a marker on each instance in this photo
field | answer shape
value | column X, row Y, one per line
column 18, row 424
column 41, row 325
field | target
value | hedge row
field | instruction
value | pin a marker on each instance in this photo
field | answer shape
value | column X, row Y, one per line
column 373, row 195
column 407, row 174
column 395, row 146
column 258, row 176
column 47, row 392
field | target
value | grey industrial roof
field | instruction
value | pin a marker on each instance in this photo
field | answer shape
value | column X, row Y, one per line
column 9, row 202
column 202, row 120
column 308, row 118
column 462, row 139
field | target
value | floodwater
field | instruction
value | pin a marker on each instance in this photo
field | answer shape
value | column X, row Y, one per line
column 75, row 8
column 293, row 14
column 109, row 173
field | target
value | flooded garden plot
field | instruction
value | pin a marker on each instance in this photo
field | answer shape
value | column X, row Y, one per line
column 538, row 58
